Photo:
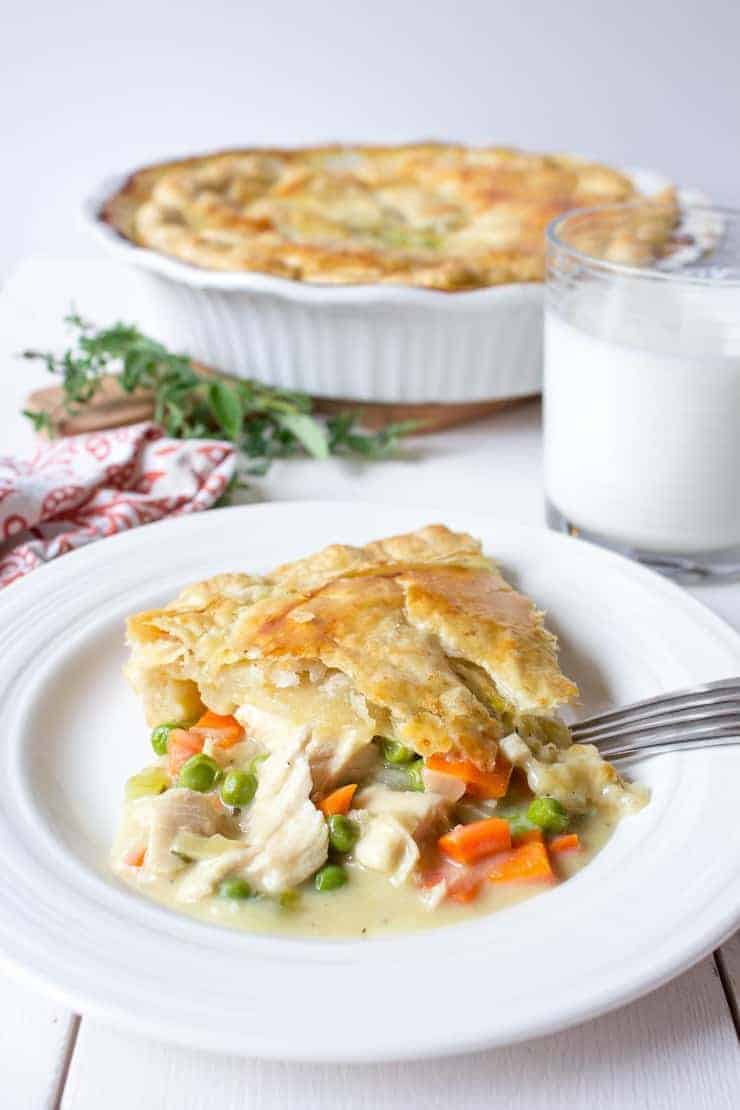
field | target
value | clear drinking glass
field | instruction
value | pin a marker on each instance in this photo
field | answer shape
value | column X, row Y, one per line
column 642, row 384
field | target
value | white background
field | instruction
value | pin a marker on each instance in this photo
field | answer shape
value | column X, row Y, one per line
column 90, row 87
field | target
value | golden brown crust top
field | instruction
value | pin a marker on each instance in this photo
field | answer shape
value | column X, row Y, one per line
column 433, row 544
column 476, row 616
column 436, row 215
column 358, row 626
column 396, row 617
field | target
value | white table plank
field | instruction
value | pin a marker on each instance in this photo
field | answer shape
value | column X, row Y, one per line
column 36, row 1038
column 675, row 1048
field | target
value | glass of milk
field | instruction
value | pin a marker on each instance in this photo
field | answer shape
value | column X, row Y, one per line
column 642, row 385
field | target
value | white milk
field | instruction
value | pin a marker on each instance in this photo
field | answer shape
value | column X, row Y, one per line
column 642, row 435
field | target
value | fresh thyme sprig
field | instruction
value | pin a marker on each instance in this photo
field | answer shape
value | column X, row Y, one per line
column 264, row 422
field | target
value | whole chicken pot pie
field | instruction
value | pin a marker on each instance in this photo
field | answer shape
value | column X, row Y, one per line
column 364, row 740
column 436, row 215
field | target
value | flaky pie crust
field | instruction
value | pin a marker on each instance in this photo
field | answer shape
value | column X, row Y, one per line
column 435, row 215
column 401, row 619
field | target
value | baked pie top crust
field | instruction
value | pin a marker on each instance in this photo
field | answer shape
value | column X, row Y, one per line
column 429, row 638
column 435, row 215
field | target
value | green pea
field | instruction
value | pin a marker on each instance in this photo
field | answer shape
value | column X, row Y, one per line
column 160, row 738
column 152, row 780
column 330, row 877
column 289, row 900
column 238, row 788
column 548, row 814
column 343, row 833
column 256, row 762
column 200, row 772
column 234, row 887
column 415, row 777
column 393, row 752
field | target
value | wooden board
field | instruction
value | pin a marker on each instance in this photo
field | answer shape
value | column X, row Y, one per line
column 112, row 408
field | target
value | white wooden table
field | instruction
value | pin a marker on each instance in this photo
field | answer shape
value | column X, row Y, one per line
column 676, row 1048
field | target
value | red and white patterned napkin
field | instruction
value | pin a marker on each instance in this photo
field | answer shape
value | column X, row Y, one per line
column 77, row 490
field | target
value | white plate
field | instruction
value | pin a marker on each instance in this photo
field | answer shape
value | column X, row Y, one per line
column 663, row 892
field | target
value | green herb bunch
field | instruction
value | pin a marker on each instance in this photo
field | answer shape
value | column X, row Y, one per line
column 264, row 422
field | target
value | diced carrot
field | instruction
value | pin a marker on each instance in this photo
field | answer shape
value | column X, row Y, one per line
column 462, row 881
column 464, row 892
column 180, row 746
column 427, row 879
column 468, row 843
column 528, row 863
column 565, row 843
column 134, row 857
column 480, row 784
column 226, row 730
column 338, row 801
column 226, row 742
column 531, row 836
column 217, row 722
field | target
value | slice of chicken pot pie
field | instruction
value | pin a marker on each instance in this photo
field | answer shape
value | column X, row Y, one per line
column 388, row 711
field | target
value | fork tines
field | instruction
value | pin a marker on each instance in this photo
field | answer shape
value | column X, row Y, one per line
column 707, row 712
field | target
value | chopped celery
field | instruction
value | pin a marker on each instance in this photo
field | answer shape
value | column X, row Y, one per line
column 194, row 847
column 396, row 753
column 289, row 899
column 415, row 776
column 517, row 816
column 152, row 780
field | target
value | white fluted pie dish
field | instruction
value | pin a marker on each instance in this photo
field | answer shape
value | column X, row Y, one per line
column 375, row 343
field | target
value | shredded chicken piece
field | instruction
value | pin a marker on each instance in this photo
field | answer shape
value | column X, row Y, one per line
column 446, row 786
column 421, row 814
column 385, row 845
column 164, row 816
column 204, row 876
column 284, row 834
column 392, row 825
column 344, row 754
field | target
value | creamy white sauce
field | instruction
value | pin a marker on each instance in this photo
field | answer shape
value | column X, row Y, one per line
column 368, row 905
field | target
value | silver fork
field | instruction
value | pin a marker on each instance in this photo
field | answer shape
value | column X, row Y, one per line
column 704, row 717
